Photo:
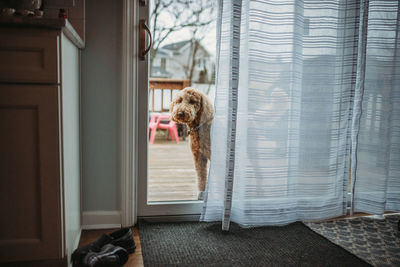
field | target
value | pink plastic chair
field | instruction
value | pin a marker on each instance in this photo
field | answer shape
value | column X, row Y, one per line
column 155, row 123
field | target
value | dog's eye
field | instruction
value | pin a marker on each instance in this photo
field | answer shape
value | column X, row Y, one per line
column 191, row 101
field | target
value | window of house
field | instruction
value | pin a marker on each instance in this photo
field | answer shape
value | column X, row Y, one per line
column 163, row 63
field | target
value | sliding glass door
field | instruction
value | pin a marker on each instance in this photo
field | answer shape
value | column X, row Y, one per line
column 181, row 55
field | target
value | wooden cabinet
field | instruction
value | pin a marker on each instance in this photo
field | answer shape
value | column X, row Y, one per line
column 29, row 58
column 39, row 147
column 29, row 201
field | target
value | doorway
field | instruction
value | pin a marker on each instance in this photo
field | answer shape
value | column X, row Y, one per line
column 180, row 56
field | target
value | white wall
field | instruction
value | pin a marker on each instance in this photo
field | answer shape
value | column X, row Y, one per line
column 101, row 93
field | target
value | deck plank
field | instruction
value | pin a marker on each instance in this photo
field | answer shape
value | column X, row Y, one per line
column 171, row 171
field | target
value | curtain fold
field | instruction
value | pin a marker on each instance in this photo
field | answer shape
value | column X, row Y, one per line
column 306, row 91
column 358, row 92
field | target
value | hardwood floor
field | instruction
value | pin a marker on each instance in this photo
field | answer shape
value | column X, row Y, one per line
column 135, row 259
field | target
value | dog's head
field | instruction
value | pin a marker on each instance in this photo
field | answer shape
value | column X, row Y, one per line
column 191, row 106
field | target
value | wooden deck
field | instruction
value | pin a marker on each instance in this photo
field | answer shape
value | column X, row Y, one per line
column 171, row 171
column 171, row 174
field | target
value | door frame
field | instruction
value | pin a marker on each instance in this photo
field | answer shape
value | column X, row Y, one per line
column 134, row 132
column 128, row 113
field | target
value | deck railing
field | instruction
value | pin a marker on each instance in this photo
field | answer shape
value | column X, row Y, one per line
column 162, row 91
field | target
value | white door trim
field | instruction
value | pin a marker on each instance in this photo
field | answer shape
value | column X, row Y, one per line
column 128, row 113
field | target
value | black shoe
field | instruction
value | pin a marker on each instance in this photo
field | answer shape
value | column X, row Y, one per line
column 79, row 253
column 122, row 237
column 109, row 256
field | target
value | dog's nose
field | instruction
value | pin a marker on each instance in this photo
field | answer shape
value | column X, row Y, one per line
column 181, row 114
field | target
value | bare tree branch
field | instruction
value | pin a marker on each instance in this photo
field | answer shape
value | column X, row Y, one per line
column 184, row 14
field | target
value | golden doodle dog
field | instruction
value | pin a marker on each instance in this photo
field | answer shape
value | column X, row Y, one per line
column 193, row 108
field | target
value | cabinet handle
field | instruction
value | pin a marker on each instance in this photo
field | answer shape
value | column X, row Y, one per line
column 143, row 28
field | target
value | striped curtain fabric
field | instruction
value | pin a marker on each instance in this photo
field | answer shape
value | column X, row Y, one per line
column 376, row 168
column 299, row 107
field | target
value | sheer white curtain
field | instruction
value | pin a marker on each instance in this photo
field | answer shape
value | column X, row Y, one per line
column 376, row 170
column 288, row 81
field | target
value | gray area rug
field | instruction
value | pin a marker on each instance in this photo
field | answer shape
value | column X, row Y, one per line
column 376, row 241
column 205, row 244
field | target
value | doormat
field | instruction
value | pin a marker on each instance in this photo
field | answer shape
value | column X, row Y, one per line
column 205, row 244
column 375, row 241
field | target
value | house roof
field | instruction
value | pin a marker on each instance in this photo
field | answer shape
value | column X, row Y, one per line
column 162, row 52
column 179, row 45
column 176, row 46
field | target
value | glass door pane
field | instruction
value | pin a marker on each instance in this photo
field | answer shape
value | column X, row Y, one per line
column 182, row 55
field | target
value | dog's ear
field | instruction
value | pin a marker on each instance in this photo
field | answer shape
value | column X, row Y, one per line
column 207, row 113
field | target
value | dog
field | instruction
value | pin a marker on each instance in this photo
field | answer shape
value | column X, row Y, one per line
column 193, row 108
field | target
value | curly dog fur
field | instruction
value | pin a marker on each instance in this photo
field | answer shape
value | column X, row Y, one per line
column 193, row 108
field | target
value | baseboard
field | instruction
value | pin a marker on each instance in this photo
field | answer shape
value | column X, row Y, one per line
column 101, row 219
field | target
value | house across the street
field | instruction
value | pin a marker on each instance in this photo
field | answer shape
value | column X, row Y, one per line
column 174, row 61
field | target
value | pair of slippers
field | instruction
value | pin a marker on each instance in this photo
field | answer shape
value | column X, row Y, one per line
column 110, row 250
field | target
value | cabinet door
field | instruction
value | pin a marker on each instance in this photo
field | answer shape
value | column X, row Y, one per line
column 30, row 225
column 28, row 55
